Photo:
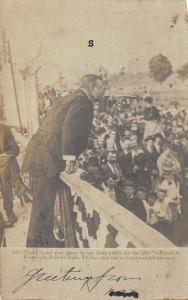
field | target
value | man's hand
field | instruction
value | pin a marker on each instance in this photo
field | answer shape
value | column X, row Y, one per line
column 5, row 154
column 155, row 172
column 70, row 166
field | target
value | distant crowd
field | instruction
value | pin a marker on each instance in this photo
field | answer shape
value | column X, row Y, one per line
column 138, row 154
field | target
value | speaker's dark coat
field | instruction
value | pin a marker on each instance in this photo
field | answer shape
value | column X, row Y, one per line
column 64, row 131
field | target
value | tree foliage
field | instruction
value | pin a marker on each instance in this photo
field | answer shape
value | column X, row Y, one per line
column 160, row 68
column 183, row 72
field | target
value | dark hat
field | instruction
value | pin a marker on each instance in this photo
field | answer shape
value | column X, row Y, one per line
column 142, row 189
column 90, row 152
column 126, row 137
column 158, row 135
column 129, row 183
column 148, row 138
column 148, row 99
column 152, row 194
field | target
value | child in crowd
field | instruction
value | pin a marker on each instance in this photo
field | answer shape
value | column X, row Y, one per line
column 164, row 214
column 151, row 211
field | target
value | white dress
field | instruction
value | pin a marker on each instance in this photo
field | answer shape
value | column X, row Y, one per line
column 163, row 210
column 173, row 193
column 151, row 213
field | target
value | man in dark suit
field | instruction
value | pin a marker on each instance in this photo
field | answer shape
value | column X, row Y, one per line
column 61, row 138
column 158, row 144
column 10, row 178
column 125, row 157
column 132, row 199
column 151, row 155
column 112, row 167
column 112, row 170
column 150, row 112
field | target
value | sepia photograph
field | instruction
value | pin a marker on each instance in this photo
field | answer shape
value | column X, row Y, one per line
column 94, row 124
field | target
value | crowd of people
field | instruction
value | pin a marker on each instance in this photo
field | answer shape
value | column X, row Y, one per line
column 138, row 154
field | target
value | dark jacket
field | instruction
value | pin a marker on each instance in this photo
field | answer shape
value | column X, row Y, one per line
column 64, row 131
column 109, row 171
column 158, row 152
column 7, row 141
column 135, row 206
column 8, row 145
column 151, row 113
column 125, row 163
column 151, row 160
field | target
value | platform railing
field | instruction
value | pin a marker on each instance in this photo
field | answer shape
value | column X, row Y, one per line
column 99, row 222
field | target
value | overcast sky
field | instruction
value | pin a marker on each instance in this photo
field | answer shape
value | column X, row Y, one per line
column 126, row 33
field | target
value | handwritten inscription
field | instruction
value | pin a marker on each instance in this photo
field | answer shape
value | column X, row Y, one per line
column 88, row 282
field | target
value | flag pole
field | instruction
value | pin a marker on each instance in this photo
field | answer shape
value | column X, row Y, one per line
column 14, row 85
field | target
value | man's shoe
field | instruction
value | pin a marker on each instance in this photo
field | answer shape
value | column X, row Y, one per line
column 8, row 224
column 12, row 218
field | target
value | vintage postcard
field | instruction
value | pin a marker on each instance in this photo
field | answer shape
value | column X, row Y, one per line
column 93, row 149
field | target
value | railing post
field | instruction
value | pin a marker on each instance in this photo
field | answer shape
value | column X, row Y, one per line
column 68, row 217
